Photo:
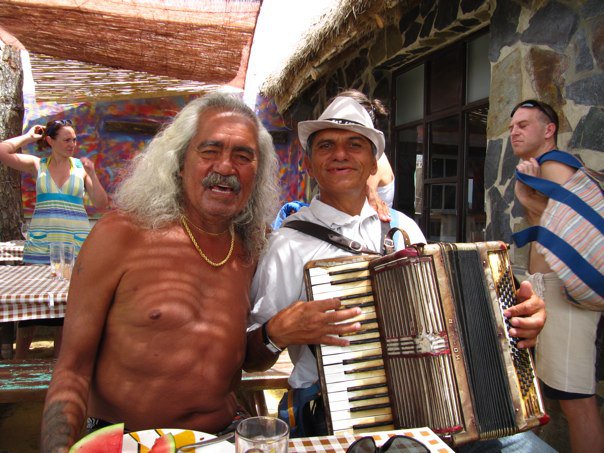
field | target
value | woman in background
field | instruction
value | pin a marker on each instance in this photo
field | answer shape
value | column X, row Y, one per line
column 61, row 181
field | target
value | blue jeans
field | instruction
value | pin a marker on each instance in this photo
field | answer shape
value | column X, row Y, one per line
column 526, row 442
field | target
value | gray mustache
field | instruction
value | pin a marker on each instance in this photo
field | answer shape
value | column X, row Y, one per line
column 216, row 179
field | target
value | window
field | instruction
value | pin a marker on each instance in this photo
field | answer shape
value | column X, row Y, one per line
column 441, row 108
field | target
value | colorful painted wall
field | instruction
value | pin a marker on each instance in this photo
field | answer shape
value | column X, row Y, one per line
column 292, row 179
column 111, row 133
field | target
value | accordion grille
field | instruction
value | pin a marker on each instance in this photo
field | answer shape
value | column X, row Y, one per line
column 416, row 350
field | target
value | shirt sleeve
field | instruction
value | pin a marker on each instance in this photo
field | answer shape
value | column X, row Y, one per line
column 407, row 224
column 278, row 279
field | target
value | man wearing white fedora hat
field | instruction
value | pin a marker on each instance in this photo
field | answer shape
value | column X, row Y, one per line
column 342, row 148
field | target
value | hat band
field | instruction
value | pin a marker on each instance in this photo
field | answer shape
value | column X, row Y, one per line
column 342, row 121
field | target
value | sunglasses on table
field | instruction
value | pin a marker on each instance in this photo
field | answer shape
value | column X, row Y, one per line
column 537, row 105
column 396, row 444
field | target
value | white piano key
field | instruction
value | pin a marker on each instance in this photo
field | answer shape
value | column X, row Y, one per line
column 332, row 266
column 320, row 279
column 344, row 415
column 335, row 406
column 351, row 378
column 335, row 358
column 328, row 350
column 353, row 386
column 327, row 290
column 339, row 368
column 346, row 396
column 350, row 423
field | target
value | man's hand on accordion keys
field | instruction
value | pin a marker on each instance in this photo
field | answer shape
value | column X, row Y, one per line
column 313, row 322
column 527, row 317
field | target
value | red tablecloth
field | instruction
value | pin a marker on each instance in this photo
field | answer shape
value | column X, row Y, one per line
column 29, row 292
column 11, row 251
column 339, row 443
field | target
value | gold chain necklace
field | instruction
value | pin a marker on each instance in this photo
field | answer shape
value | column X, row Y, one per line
column 203, row 255
column 198, row 228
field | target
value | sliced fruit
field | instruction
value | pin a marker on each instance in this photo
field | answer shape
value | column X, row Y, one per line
column 164, row 444
column 105, row 440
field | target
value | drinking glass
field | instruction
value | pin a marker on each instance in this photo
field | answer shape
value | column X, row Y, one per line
column 56, row 259
column 261, row 434
column 68, row 260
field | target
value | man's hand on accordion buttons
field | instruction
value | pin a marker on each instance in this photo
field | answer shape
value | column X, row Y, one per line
column 528, row 317
column 312, row 322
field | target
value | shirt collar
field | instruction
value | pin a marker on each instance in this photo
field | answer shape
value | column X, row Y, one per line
column 335, row 218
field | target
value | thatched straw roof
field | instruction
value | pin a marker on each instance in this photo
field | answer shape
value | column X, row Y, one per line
column 346, row 23
column 205, row 41
column 68, row 81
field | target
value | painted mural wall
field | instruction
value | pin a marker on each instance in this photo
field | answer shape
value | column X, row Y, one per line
column 109, row 133
column 292, row 177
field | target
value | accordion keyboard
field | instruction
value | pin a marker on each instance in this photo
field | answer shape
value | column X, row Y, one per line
column 353, row 378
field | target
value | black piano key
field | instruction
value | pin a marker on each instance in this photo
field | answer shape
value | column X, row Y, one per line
column 369, row 407
column 361, row 359
column 353, row 399
column 364, row 370
column 370, row 425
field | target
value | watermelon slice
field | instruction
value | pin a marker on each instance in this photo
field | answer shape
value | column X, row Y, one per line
column 164, row 444
column 105, row 440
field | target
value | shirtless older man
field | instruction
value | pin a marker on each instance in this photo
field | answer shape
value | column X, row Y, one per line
column 155, row 329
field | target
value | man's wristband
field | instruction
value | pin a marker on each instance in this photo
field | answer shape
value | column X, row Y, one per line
column 267, row 341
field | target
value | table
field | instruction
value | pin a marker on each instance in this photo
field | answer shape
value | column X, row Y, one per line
column 29, row 292
column 253, row 385
column 339, row 443
column 11, row 251
column 28, row 380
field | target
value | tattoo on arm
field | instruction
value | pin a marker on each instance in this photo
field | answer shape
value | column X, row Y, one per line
column 57, row 434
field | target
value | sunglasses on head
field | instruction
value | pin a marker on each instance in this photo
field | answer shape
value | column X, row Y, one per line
column 56, row 124
column 395, row 444
column 536, row 105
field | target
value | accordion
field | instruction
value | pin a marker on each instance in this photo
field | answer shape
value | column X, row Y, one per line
column 434, row 348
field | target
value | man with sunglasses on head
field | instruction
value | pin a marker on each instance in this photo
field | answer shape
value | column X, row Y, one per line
column 566, row 351
column 342, row 148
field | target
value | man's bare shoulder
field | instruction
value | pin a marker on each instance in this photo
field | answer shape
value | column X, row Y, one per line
column 114, row 234
column 556, row 171
column 115, row 224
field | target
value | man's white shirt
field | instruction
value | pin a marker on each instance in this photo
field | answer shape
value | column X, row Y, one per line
column 279, row 279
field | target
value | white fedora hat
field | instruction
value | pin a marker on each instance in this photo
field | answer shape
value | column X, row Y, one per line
column 344, row 113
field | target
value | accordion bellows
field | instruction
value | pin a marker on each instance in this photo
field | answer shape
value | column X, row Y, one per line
column 434, row 350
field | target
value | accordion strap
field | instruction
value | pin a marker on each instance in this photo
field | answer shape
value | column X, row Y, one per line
column 328, row 235
column 566, row 253
column 389, row 246
column 560, row 193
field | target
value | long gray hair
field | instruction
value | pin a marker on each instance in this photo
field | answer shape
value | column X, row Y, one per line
column 152, row 191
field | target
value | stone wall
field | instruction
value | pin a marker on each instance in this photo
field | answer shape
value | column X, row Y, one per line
column 11, row 120
column 552, row 50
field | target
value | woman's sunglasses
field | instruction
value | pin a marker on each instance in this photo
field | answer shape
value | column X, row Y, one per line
column 57, row 124
column 395, row 444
